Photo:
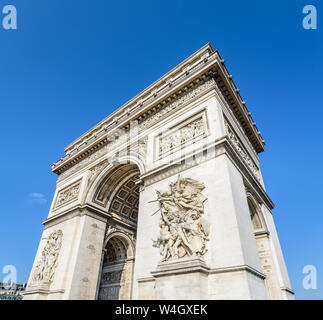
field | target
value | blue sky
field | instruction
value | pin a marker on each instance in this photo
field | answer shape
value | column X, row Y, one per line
column 71, row 63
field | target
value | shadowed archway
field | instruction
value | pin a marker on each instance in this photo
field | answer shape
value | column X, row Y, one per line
column 118, row 193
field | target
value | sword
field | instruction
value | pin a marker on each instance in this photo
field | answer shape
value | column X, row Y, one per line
column 152, row 201
column 155, row 212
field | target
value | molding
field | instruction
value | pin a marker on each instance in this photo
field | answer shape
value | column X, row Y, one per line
column 190, row 73
column 180, row 266
column 238, row 145
column 86, row 209
column 212, row 150
column 237, row 269
column 67, row 195
column 42, row 291
column 188, row 265
column 147, row 279
column 105, row 144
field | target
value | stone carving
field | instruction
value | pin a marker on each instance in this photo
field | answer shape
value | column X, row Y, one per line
column 94, row 172
column 183, row 229
column 112, row 227
column 45, row 268
column 142, row 146
column 177, row 104
column 155, row 117
column 183, row 136
column 68, row 194
column 236, row 142
column 84, row 162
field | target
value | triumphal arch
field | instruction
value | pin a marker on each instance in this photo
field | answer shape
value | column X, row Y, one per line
column 164, row 199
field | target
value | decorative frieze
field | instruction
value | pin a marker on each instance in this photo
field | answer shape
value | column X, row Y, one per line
column 187, row 133
column 241, row 150
column 165, row 84
column 182, row 99
column 174, row 106
column 95, row 171
column 84, row 162
column 68, row 195
column 155, row 116
column 45, row 269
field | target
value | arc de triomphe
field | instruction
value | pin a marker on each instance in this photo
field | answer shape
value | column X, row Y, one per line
column 164, row 199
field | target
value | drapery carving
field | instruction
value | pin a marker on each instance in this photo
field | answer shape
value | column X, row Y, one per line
column 45, row 268
column 183, row 229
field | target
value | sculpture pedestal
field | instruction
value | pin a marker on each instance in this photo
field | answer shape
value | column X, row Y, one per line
column 183, row 279
column 37, row 291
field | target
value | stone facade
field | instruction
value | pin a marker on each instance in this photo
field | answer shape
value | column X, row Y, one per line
column 164, row 199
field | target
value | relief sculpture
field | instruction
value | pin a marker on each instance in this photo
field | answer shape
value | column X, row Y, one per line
column 183, row 229
column 46, row 266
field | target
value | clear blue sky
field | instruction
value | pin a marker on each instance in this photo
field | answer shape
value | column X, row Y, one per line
column 71, row 63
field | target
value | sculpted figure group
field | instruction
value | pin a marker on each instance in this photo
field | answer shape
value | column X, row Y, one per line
column 45, row 268
column 183, row 229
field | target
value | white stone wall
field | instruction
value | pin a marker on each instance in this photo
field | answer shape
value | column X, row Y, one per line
column 78, row 261
column 232, row 259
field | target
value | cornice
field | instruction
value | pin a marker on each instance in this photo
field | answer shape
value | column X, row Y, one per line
column 239, row 269
column 221, row 146
column 238, row 105
column 85, row 209
column 193, row 71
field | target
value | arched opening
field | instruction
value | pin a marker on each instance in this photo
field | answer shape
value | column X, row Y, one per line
column 257, row 222
column 262, row 240
column 119, row 194
column 117, row 268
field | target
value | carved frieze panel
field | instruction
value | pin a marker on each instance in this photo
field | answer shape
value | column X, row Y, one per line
column 46, row 266
column 185, row 134
column 183, row 229
column 177, row 104
column 241, row 150
column 155, row 116
column 84, row 162
column 68, row 195
column 96, row 170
